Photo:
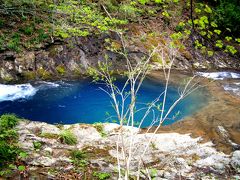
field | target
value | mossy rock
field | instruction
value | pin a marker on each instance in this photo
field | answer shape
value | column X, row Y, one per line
column 61, row 70
column 44, row 74
column 29, row 75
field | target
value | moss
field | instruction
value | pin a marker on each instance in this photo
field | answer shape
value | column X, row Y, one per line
column 99, row 127
column 49, row 135
column 61, row 70
column 30, row 75
column 77, row 72
column 43, row 74
column 8, row 79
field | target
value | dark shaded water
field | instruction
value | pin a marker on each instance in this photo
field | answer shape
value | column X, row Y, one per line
column 83, row 102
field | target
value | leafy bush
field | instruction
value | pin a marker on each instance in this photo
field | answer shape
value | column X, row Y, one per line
column 10, row 153
column 67, row 137
column 8, row 121
column 228, row 15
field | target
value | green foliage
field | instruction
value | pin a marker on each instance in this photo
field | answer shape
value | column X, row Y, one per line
column 61, row 70
column 37, row 145
column 49, row 135
column 9, row 150
column 207, row 24
column 78, row 154
column 100, row 128
column 231, row 49
column 14, row 42
column 219, row 44
column 79, row 158
column 180, row 26
column 8, row 121
column 67, row 137
column 101, row 175
column 28, row 30
column 227, row 14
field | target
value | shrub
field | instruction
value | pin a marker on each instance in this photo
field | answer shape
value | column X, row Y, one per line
column 67, row 137
column 8, row 121
column 10, row 153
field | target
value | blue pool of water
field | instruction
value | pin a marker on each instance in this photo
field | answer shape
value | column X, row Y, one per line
column 83, row 102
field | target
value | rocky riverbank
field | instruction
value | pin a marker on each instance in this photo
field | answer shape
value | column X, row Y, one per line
column 70, row 58
column 222, row 110
column 170, row 155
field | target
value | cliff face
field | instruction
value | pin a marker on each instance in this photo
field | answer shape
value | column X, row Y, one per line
column 71, row 57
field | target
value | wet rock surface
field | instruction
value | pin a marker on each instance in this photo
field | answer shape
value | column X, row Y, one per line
column 170, row 155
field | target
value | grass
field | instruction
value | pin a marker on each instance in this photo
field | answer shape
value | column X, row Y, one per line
column 100, row 128
column 67, row 137
column 79, row 158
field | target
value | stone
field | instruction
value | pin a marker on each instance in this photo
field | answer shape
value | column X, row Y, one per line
column 48, row 150
column 235, row 160
column 217, row 161
column 52, row 129
column 43, row 161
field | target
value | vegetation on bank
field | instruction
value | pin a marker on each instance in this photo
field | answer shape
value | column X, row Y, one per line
column 212, row 26
column 11, row 155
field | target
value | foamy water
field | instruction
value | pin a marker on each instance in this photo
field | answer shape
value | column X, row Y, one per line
column 14, row 92
column 220, row 75
column 234, row 88
column 22, row 91
column 231, row 87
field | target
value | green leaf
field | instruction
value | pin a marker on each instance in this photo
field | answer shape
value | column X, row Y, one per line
column 21, row 168
column 228, row 38
column 217, row 31
column 23, row 155
column 208, row 9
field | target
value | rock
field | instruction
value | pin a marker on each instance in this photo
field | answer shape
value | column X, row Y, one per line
column 178, row 155
column 25, row 62
column 5, row 75
column 48, row 150
column 226, row 137
column 43, row 161
column 51, row 129
column 217, row 161
column 235, row 160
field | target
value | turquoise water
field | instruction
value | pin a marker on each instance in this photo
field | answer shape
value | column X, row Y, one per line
column 83, row 102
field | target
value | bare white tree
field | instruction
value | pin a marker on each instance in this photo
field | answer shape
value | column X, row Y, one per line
column 125, row 111
column 135, row 73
